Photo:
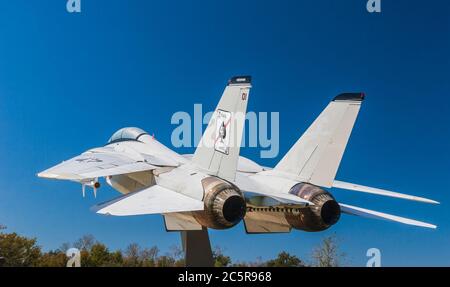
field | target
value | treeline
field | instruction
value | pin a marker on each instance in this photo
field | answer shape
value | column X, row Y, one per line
column 20, row 251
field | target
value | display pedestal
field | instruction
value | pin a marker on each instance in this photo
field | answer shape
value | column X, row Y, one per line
column 197, row 248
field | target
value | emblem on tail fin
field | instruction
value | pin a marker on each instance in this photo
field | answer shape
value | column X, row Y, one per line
column 222, row 140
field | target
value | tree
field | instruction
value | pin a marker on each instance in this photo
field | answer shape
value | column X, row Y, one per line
column 116, row 259
column 85, row 243
column 18, row 250
column 64, row 247
column 284, row 259
column 55, row 258
column 220, row 260
column 257, row 263
column 2, row 259
column 132, row 255
column 99, row 256
column 327, row 254
column 165, row 261
column 176, row 253
column 149, row 256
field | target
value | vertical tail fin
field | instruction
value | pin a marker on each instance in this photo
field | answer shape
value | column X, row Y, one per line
column 218, row 150
column 316, row 156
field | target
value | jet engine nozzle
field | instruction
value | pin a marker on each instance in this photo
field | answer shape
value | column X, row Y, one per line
column 320, row 216
column 224, row 204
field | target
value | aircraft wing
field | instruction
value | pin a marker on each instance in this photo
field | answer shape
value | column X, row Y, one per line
column 382, row 192
column 152, row 200
column 181, row 221
column 358, row 211
column 96, row 163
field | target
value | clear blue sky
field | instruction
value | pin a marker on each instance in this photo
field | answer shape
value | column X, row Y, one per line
column 67, row 82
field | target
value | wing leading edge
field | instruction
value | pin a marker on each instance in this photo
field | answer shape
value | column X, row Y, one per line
column 359, row 211
column 95, row 164
column 377, row 191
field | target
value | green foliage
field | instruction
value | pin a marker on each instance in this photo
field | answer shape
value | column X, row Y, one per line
column 53, row 259
column 284, row 259
column 258, row 263
column 116, row 259
column 18, row 250
column 99, row 256
column 165, row 261
column 132, row 255
column 149, row 256
column 220, row 260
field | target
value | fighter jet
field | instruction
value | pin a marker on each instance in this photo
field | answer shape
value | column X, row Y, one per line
column 216, row 188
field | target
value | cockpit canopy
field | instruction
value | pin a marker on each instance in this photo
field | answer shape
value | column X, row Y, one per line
column 127, row 134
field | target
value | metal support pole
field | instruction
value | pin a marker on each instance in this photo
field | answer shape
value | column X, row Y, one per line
column 197, row 248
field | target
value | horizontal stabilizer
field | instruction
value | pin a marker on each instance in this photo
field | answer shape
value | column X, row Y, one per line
column 152, row 200
column 372, row 190
column 353, row 210
column 181, row 221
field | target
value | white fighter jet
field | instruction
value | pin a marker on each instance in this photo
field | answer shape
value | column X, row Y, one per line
column 216, row 188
